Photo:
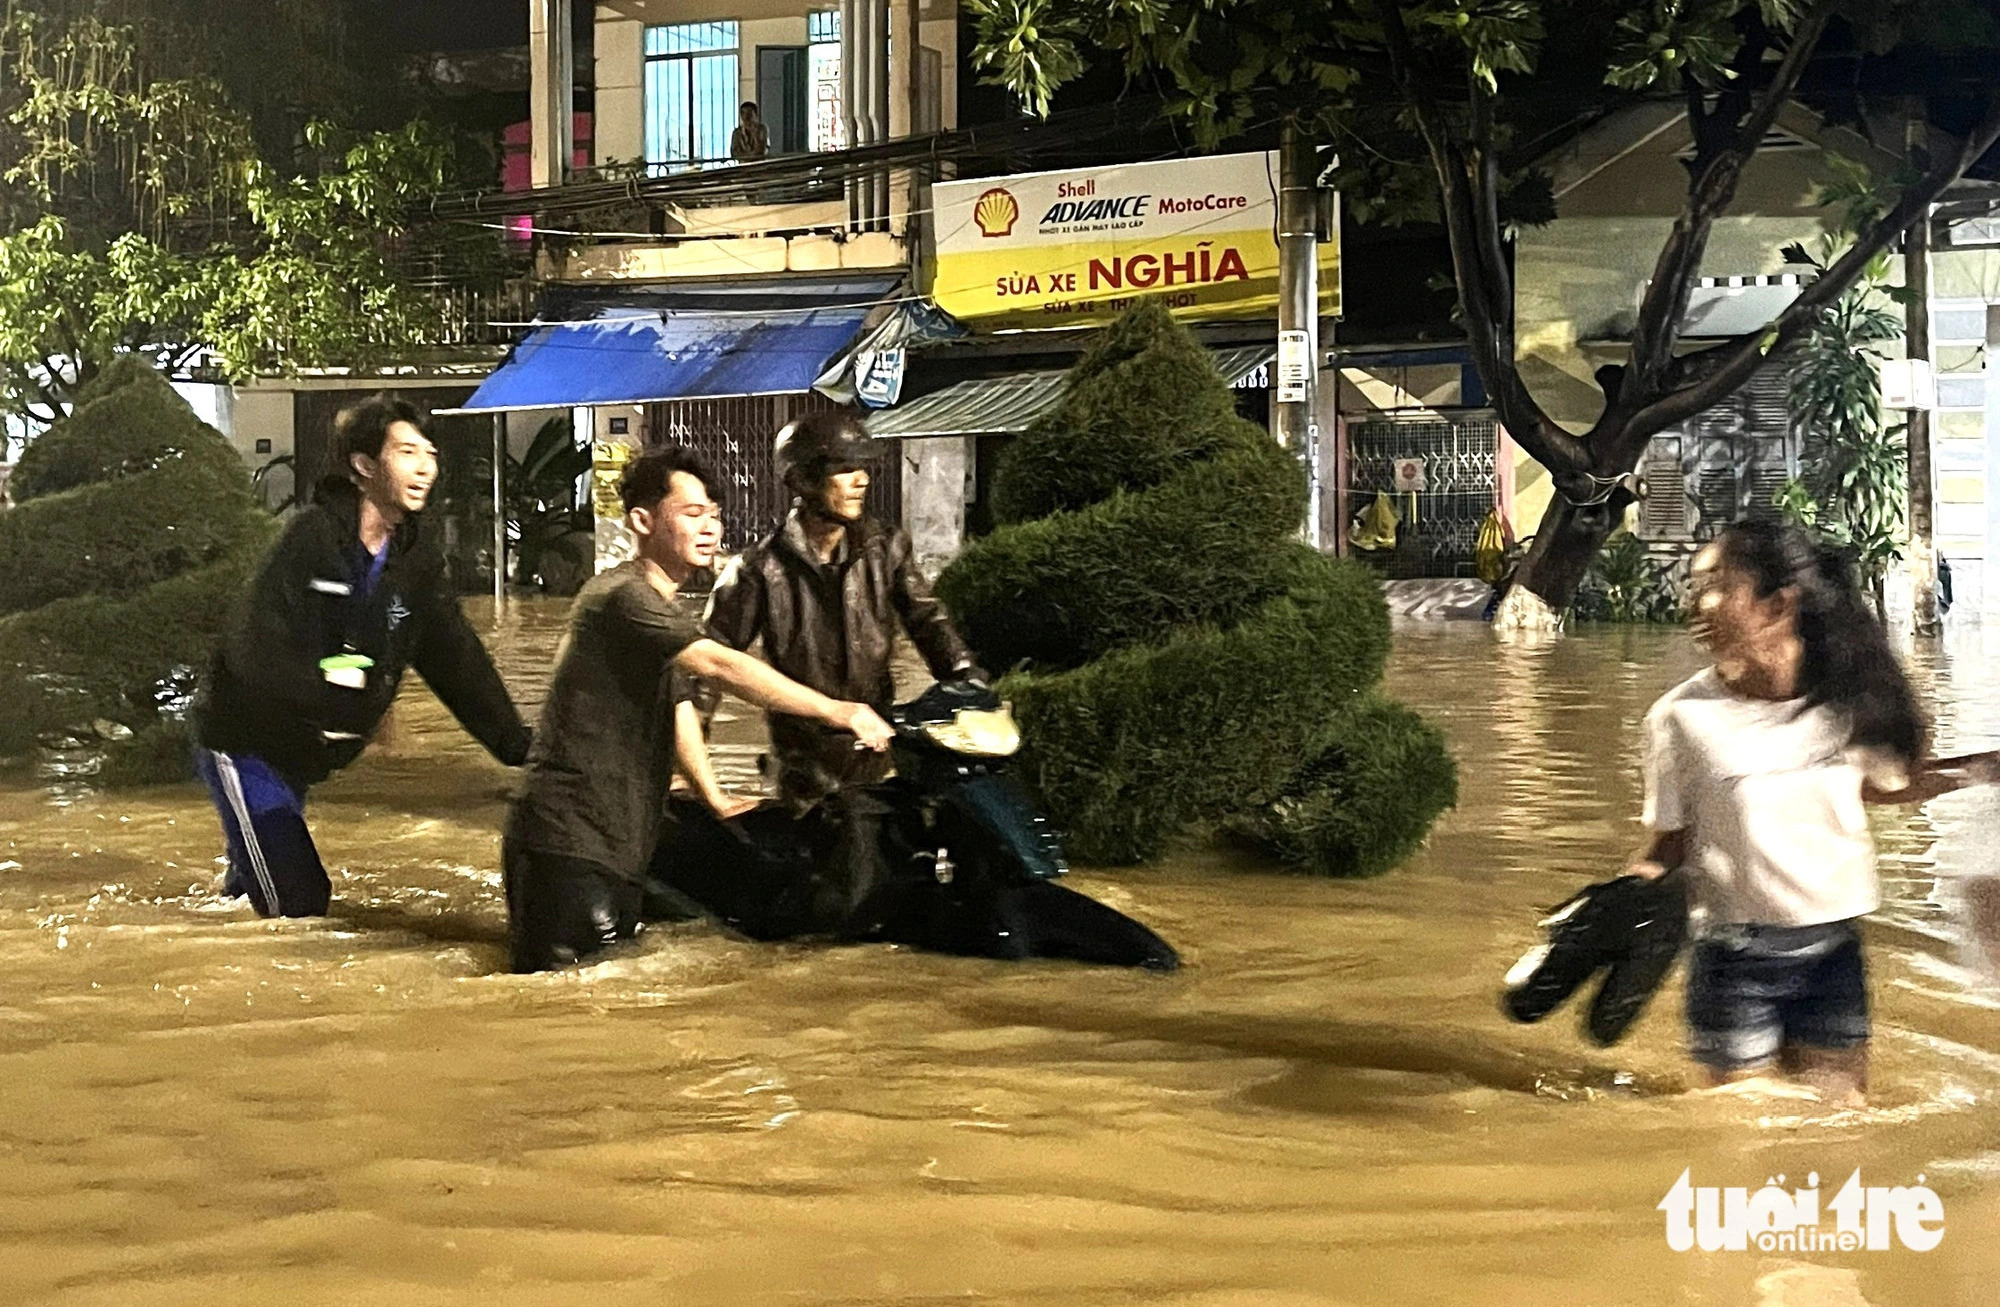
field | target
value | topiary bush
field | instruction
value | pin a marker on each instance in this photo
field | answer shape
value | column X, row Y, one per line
column 135, row 531
column 1178, row 658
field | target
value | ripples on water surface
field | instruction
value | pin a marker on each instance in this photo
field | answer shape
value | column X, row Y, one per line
column 1324, row 1106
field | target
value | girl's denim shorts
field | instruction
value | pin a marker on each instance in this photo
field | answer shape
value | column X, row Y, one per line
column 1753, row 989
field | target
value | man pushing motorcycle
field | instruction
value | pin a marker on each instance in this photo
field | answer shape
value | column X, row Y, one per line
column 592, row 806
column 826, row 594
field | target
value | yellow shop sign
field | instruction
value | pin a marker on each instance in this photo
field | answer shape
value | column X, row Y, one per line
column 1072, row 248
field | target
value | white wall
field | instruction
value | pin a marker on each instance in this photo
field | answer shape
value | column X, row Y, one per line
column 522, row 424
column 755, row 32
column 244, row 417
column 619, row 125
column 1589, row 273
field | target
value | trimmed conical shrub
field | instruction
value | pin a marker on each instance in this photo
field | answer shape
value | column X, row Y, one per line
column 1178, row 660
column 134, row 532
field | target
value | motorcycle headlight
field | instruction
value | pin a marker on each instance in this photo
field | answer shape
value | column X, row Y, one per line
column 977, row 734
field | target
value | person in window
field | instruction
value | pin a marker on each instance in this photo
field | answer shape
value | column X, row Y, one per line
column 750, row 140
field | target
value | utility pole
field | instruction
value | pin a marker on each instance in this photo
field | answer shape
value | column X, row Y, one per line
column 499, row 513
column 908, row 49
column 1917, row 340
column 551, row 92
column 1293, row 391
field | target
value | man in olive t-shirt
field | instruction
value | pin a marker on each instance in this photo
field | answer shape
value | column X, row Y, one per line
column 589, row 814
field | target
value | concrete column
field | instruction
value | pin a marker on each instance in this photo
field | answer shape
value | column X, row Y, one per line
column 620, row 116
column 1989, row 567
column 499, row 421
column 851, row 99
column 551, row 91
column 878, row 86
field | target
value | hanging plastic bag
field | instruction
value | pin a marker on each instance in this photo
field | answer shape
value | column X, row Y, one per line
column 1489, row 551
column 1376, row 527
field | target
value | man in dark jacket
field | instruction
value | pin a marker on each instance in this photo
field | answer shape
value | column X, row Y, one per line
column 353, row 593
column 826, row 594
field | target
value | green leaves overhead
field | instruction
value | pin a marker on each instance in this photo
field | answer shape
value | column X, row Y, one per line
column 1027, row 46
column 1497, row 35
column 137, row 214
column 1237, row 64
column 1229, row 59
column 1781, row 15
column 1856, row 484
column 1663, row 39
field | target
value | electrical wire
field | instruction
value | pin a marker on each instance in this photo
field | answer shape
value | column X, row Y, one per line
column 1025, row 139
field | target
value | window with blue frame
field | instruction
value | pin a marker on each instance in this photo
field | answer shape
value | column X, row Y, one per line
column 691, row 90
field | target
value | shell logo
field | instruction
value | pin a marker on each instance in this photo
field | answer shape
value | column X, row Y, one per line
column 995, row 212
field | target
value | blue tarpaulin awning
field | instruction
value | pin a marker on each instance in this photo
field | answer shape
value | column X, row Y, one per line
column 635, row 356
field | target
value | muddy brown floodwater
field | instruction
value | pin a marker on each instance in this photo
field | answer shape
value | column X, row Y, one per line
column 1323, row 1106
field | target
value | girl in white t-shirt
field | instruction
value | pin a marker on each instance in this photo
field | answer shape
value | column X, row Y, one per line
column 1757, row 770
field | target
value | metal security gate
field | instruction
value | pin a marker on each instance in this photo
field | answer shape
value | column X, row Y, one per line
column 1461, row 477
column 735, row 436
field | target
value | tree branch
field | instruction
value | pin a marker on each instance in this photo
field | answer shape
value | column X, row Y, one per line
column 1484, row 176
column 1484, row 293
column 1765, row 111
column 1738, row 95
column 1710, row 189
column 1696, row 96
column 1742, row 356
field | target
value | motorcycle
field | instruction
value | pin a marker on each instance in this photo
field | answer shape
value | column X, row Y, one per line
column 959, row 859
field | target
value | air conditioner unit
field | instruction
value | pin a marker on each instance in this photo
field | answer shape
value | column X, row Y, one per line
column 1907, row 383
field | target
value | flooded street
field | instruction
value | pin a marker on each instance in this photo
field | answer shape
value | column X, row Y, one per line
column 1323, row 1106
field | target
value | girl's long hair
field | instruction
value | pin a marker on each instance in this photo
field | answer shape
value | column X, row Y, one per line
column 1847, row 665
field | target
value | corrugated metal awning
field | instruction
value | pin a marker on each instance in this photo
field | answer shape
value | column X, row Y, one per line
column 1005, row 406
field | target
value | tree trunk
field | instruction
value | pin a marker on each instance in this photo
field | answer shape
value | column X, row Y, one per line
column 1569, row 537
column 1922, row 560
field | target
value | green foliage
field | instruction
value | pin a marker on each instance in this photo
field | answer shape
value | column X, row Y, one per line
column 1180, row 660
column 1626, row 584
column 127, row 421
column 1855, row 487
column 1365, row 799
column 157, row 754
column 1239, row 62
column 136, row 214
column 541, row 494
column 136, row 534
column 1090, row 447
column 1662, row 39
column 1499, row 36
column 122, row 535
column 1067, row 588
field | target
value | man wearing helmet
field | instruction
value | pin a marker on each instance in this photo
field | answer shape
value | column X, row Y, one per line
column 826, row 594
